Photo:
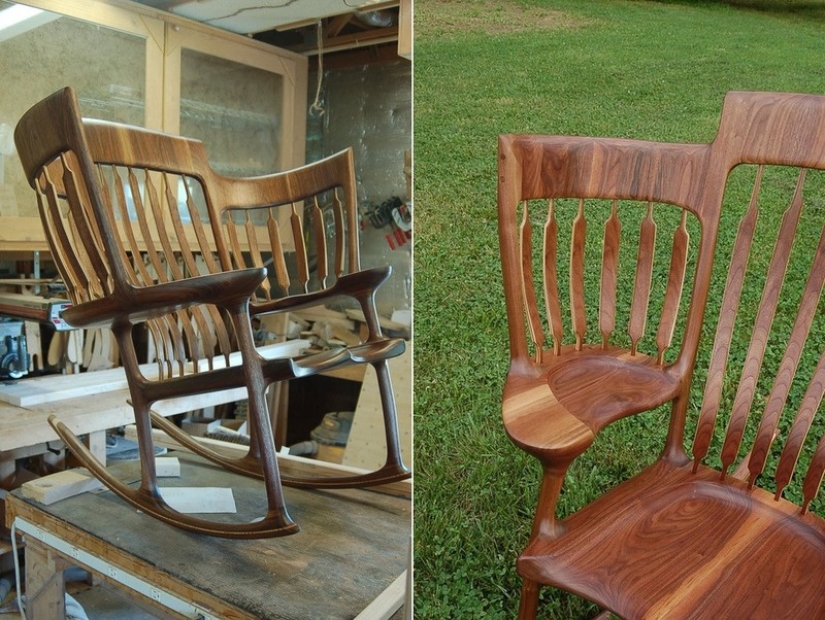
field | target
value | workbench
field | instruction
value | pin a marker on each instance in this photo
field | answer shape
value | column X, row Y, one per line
column 348, row 561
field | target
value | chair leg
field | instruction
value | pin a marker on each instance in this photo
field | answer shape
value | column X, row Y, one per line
column 528, row 606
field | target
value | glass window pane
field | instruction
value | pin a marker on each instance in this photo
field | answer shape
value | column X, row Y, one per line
column 44, row 52
column 235, row 110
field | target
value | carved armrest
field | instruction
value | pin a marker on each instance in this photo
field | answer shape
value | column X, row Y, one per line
column 138, row 304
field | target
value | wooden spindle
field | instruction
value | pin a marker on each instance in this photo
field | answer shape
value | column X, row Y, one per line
column 528, row 289
column 759, row 339
column 278, row 256
column 300, row 247
column 790, row 361
column 76, row 275
column 724, row 329
column 813, row 478
column 79, row 220
column 801, row 426
column 644, row 275
column 320, row 241
column 577, row 246
column 340, row 233
column 551, row 278
column 205, row 242
column 675, row 284
column 610, row 274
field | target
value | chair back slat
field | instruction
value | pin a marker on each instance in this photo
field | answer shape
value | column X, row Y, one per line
column 319, row 231
column 296, row 221
column 58, row 237
column 338, row 219
column 724, row 331
column 675, row 288
column 528, row 289
column 790, row 361
column 800, row 428
column 814, row 475
column 743, row 400
column 550, row 277
column 117, row 203
column 203, row 234
column 281, row 271
column 644, row 276
column 145, row 223
column 172, row 185
column 577, row 269
column 255, row 257
column 85, row 232
column 610, row 274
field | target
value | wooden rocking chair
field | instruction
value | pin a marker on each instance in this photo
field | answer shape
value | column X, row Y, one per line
column 693, row 535
column 144, row 231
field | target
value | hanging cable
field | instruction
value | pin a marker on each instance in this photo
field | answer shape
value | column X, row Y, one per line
column 317, row 109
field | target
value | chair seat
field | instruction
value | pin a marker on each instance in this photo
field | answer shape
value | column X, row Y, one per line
column 675, row 544
column 577, row 393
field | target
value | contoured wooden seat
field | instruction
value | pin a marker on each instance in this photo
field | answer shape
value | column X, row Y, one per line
column 727, row 528
column 144, row 231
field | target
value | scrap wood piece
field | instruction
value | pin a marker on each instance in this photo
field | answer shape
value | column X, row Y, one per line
column 167, row 467
column 385, row 323
column 325, row 314
column 53, row 488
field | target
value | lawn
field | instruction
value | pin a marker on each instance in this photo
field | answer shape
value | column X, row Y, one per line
column 639, row 69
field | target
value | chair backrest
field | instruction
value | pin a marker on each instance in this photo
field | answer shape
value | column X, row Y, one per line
column 126, row 207
column 615, row 196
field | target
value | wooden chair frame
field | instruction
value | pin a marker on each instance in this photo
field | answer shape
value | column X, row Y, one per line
column 559, row 396
column 196, row 291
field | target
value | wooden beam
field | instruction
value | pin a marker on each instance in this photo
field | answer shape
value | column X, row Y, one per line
column 336, row 24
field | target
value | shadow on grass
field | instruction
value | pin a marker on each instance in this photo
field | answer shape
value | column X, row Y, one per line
column 807, row 9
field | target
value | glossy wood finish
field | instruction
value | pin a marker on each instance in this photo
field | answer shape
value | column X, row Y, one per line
column 693, row 535
column 144, row 231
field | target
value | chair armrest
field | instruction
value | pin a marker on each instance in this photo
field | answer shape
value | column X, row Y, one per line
column 357, row 284
column 137, row 304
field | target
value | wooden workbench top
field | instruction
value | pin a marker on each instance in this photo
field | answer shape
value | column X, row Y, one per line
column 353, row 544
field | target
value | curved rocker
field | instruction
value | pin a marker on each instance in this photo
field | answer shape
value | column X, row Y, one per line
column 393, row 470
column 147, row 498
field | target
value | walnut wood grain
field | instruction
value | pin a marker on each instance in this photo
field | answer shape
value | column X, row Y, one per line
column 675, row 288
column 527, row 286
column 644, row 275
column 144, row 231
column 767, row 308
column 577, row 267
column 610, row 274
column 724, row 330
column 681, row 539
column 550, row 276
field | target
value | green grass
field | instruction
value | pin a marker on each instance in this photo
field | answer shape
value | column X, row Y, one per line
column 635, row 69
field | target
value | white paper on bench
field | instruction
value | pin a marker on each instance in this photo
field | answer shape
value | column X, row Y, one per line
column 199, row 500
